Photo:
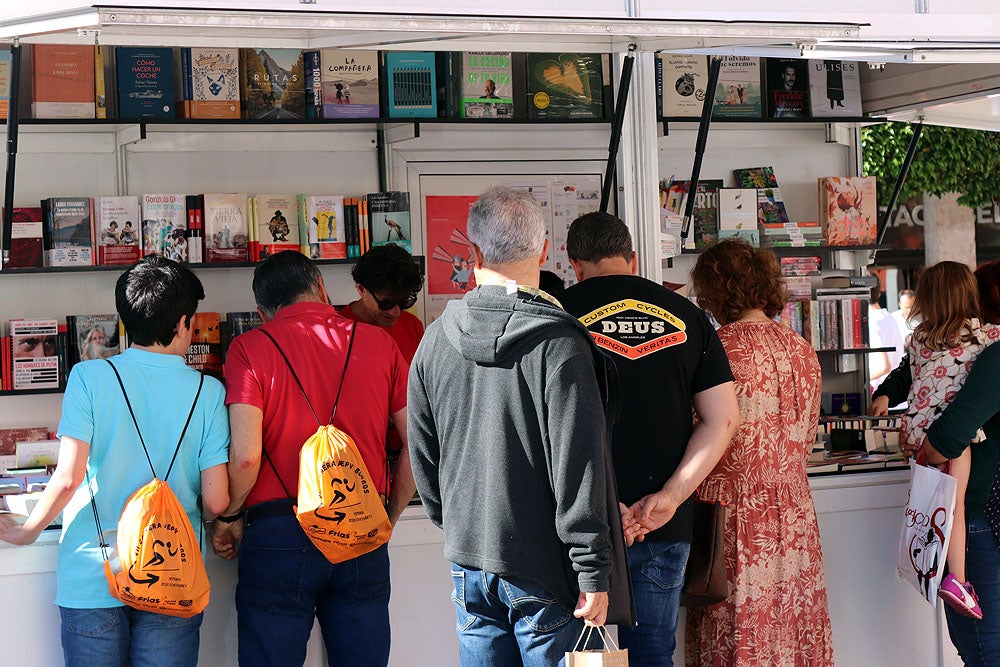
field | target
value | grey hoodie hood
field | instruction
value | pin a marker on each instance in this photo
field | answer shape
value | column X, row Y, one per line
column 489, row 324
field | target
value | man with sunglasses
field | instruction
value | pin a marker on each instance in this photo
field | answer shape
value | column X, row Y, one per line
column 388, row 282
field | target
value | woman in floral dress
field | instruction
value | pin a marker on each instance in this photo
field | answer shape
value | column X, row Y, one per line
column 777, row 611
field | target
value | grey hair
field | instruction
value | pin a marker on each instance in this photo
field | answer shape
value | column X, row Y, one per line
column 508, row 225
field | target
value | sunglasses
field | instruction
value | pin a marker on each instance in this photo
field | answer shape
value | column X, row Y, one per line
column 389, row 304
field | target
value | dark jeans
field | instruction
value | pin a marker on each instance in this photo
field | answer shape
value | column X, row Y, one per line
column 285, row 582
column 122, row 636
column 978, row 642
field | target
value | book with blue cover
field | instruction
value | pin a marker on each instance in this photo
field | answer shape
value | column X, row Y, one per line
column 411, row 84
column 145, row 82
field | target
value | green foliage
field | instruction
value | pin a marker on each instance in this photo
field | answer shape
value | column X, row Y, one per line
column 948, row 159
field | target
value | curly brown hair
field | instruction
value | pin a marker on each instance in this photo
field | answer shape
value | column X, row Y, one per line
column 733, row 277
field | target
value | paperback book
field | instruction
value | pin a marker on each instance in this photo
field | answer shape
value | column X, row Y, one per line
column 68, row 232
column 92, row 337
column 237, row 323
column 323, row 218
column 272, row 84
column 411, row 84
column 34, row 354
column 683, row 79
column 349, row 83
column 9, row 437
column 738, row 208
column 26, row 238
column 770, row 205
column 738, row 92
column 274, row 225
column 210, row 83
column 226, row 228
column 118, row 224
column 389, row 219
column 4, row 82
column 834, row 88
column 164, row 226
column 487, row 84
column 787, row 87
column 848, row 210
column 62, row 81
column 145, row 82
column 205, row 352
column 567, row 85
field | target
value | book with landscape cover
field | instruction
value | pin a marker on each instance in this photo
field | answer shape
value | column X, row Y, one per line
column 226, row 229
column 275, row 225
column 487, row 84
column 410, row 83
column 770, row 205
column 62, row 81
column 145, row 82
column 205, row 352
column 118, row 225
column 92, row 337
column 683, row 80
column 34, row 353
column 566, row 85
column 787, row 91
column 738, row 92
column 68, row 232
column 834, row 88
column 26, row 238
column 210, row 83
column 9, row 437
column 349, row 83
column 848, row 210
column 164, row 226
column 389, row 219
column 272, row 84
column 323, row 218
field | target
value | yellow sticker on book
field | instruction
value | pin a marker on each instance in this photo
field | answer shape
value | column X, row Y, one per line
column 541, row 100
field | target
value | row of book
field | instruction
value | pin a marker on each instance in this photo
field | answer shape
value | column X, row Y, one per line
column 27, row 455
column 755, row 211
column 837, row 319
column 856, row 443
column 74, row 81
column 38, row 353
column 86, row 231
column 750, row 87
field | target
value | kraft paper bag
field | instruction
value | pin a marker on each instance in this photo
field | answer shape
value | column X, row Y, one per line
column 609, row 656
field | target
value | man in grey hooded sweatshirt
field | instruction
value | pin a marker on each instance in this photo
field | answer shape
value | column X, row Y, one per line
column 507, row 438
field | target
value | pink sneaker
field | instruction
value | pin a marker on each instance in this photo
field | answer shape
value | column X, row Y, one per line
column 960, row 596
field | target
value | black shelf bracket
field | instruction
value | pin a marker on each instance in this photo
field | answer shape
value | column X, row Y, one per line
column 616, row 127
column 13, row 116
column 699, row 147
column 911, row 150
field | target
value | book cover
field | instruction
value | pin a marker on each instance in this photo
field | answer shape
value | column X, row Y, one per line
column 205, row 352
column 92, row 337
column 410, row 84
column 226, row 228
column 237, row 323
column 738, row 208
column 62, row 81
column 487, row 84
column 118, row 225
column 770, row 205
column 145, row 82
column 9, row 437
column 100, row 82
column 565, row 85
column 26, row 238
column 389, row 219
column 272, row 84
column 34, row 353
column 706, row 213
column 848, row 210
column 4, row 82
column 164, row 226
column 313, row 69
column 68, row 231
column 787, row 87
column 36, row 453
column 738, row 91
column 834, row 88
column 211, row 81
column 324, row 220
column 275, row 225
column 349, row 83
column 683, row 78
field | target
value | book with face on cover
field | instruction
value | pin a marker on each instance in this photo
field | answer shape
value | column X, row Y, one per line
column 164, row 226
column 787, row 90
column 487, row 84
column 118, row 225
column 92, row 337
column 34, row 353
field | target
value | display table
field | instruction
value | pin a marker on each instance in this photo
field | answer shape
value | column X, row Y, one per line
column 877, row 618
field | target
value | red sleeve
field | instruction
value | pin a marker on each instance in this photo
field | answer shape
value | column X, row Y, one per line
column 241, row 381
column 400, row 373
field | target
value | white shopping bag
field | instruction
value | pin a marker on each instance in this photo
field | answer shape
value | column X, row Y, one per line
column 923, row 543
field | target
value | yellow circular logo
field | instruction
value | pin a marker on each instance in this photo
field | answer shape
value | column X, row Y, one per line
column 541, row 100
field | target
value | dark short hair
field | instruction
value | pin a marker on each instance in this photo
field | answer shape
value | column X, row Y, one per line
column 282, row 278
column 388, row 269
column 550, row 283
column 733, row 277
column 596, row 236
column 151, row 297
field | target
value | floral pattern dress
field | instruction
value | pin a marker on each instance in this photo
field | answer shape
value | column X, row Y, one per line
column 777, row 612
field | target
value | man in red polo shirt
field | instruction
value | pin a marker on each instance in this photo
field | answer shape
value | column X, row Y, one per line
column 388, row 282
column 284, row 581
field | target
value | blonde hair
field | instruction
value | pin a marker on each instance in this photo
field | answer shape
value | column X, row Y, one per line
column 947, row 297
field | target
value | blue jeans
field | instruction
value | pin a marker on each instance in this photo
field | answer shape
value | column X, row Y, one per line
column 285, row 583
column 657, row 579
column 978, row 642
column 505, row 621
column 120, row 636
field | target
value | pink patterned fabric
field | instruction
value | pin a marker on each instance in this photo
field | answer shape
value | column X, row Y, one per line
column 777, row 613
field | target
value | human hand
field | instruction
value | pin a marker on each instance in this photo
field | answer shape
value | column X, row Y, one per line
column 655, row 510
column 14, row 533
column 630, row 526
column 226, row 537
column 592, row 608
column 879, row 407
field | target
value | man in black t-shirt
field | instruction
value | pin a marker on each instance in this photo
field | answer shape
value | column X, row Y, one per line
column 669, row 361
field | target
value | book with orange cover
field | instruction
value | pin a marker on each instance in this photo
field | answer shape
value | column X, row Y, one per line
column 62, row 81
